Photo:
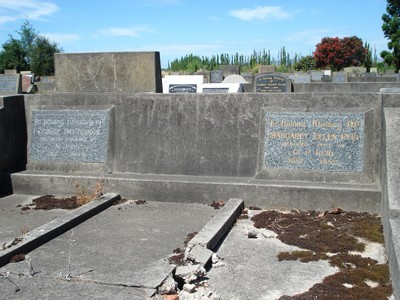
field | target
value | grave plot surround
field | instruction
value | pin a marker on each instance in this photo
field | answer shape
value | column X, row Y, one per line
column 226, row 134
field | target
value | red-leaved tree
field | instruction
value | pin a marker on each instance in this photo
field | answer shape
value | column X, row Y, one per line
column 340, row 53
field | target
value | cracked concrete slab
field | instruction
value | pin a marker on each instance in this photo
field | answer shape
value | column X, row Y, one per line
column 125, row 245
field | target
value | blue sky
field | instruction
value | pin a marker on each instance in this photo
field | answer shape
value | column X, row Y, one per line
column 179, row 27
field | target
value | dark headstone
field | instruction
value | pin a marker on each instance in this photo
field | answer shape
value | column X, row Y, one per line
column 314, row 141
column 272, row 83
column 10, row 84
column 216, row 76
column 69, row 135
column 183, row 88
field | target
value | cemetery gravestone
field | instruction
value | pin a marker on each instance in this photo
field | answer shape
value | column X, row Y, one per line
column 183, row 88
column 10, row 84
column 272, row 83
column 316, row 76
column 70, row 136
column 339, row 77
column 216, row 76
column 314, row 141
column 215, row 90
column 302, row 78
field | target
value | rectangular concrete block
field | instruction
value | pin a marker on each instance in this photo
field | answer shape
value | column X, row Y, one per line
column 210, row 235
column 108, row 72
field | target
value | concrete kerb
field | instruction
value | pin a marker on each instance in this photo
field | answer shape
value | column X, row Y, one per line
column 56, row 227
column 202, row 244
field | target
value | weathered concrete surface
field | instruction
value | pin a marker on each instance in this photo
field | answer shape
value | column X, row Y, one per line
column 213, row 231
column 252, row 271
column 210, row 135
column 205, row 189
column 390, row 193
column 38, row 236
column 124, row 245
column 204, row 147
column 108, row 72
column 347, row 87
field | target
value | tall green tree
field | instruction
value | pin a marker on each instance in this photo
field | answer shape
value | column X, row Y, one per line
column 368, row 57
column 30, row 52
column 391, row 30
column 42, row 55
column 13, row 56
column 27, row 35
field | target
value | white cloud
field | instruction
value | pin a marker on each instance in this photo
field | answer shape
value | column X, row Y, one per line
column 124, row 31
column 11, row 10
column 61, row 38
column 261, row 13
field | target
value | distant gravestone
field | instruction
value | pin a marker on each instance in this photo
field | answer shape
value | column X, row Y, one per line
column 339, row 77
column 316, row 76
column 182, row 88
column 215, row 90
column 10, row 84
column 272, row 83
column 234, row 78
column 302, row 78
column 369, row 75
column 69, row 135
column 216, row 76
column 314, row 141
column 10, row 72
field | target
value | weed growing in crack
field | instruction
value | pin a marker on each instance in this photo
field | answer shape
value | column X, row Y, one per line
column 24, row 229
column 86, row 194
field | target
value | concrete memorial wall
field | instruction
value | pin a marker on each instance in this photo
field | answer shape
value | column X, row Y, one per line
column 108, row 72
column 236, row 136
